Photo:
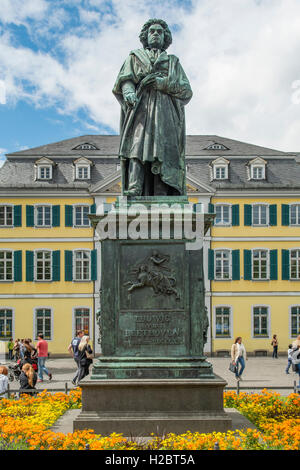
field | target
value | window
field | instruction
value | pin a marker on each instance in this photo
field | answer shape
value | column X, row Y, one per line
column 220, row 172
column 260, row 264
column 6, row 265
column 222, row 265
column 222, row 321
column 82, row 265
column 295, row 214
column 6, row 323
column 86, row 146
column 82, row 172
column 260, row 321
column 82, row 320
column 43, row 216
column 216, row 147
column 260, row 214
column 81, row 216
column 45, row 172
column 43, row 323
column 43, row 265
column 258, row 172
column 295, row 264
column 295, row 320
column 222, row 214
column 6, row 216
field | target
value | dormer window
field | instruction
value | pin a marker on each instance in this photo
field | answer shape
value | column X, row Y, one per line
column 86, row 146
column 45, row 172
column 257, row 169
column 44, row 169
column 220, row 172
column 216, row 146
column 258, row 172
column 219, row 169
column 82, row 172
column 82, row 169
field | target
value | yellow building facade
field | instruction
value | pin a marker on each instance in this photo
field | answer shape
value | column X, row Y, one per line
column 47, row 272
column 254, row 273
column 50, row 255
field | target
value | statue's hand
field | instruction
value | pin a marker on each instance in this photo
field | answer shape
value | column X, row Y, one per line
column 130, row 99
column 149, row 80
column 160, row 83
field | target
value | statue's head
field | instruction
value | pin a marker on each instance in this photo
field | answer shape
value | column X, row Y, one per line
column 155, row 33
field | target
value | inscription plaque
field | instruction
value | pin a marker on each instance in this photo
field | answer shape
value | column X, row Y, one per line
column 167, row 331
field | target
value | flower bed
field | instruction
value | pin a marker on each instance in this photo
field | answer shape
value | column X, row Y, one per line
column 25, row 423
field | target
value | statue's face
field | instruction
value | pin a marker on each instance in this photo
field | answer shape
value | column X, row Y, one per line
column 156, row 36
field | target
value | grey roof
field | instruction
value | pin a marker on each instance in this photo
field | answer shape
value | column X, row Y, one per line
column 109, row 144
column 18, row 169
column 280, row 173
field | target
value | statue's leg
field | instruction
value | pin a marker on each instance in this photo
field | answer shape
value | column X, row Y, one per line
column 135, row 178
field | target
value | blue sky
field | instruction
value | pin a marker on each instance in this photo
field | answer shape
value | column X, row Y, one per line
column 59, row 60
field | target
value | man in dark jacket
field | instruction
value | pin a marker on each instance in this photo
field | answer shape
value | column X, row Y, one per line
column 73, row 350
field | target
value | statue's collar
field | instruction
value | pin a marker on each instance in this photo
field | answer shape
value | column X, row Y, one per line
column 145, row 59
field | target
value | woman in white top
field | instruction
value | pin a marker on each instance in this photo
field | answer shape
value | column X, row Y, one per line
column 238, row 357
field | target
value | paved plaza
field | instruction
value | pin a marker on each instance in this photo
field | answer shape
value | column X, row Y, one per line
column 260, row 372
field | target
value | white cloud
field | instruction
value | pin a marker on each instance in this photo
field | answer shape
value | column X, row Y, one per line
column 18, row 11
column 2, row 92
column 241, row 58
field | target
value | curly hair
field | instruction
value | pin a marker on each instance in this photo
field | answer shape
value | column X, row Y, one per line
column 144, row 33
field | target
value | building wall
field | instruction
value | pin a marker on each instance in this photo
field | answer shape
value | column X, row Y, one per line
column 23, row 297
column 242, row 295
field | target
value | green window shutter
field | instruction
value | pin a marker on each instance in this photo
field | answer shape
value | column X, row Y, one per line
column 93, row 209
column 56, row 265
column 273, row 214
column 18, row 266
column 211, row 208
column 68, row 265
column 211, row 264
column 273, row 265
column 29, row 266
column 68, row 216
column 30, row 216
column 93, row 265
column 247, row 215
column 235, row 215
column 247, row 265
column 55, row 216
column 285, row 269
column 235, row 265
column 285, row 214
column 17, row 216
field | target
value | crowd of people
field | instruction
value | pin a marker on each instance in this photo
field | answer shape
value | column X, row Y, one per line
column 30, row 360
column 239, row 356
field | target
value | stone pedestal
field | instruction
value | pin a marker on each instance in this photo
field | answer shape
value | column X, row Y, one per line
column 141, row 407
column 152, row 375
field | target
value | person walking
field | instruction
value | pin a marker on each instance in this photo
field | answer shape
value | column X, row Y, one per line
column 85, row 357
column 238, row 357
column 290, row 351
column 274, row 343
column 296, row 362
column 3, row 382
column 296, row 343
column 28, row 379
column 42, row 348
column 22, row 349
column 10, row 347
column 73, row 350
column 17, row 349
